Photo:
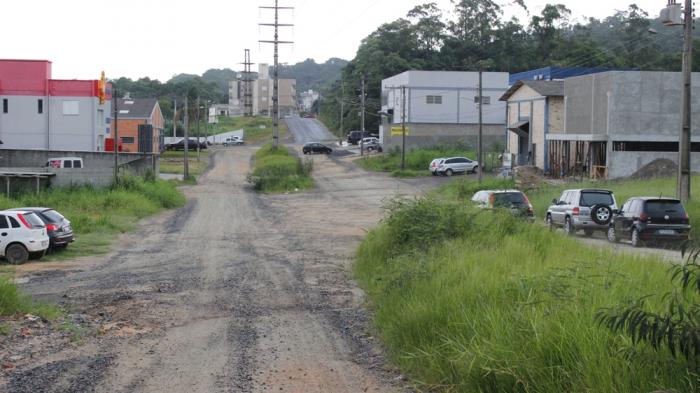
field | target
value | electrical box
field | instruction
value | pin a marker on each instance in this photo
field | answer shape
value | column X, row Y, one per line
column 672, row 15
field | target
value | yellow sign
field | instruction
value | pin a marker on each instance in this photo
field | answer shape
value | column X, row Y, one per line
column 398, row 131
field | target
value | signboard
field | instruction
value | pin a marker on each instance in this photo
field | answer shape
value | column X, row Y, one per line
column 398, row 131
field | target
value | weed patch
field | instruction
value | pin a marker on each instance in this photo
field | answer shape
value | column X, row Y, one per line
column 277, row 170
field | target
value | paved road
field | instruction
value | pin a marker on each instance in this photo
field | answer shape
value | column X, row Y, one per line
column 236, row 292
column 308, row 130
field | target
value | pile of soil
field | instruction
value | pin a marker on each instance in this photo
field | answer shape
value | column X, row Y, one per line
column 528, row 177
column 661, row 167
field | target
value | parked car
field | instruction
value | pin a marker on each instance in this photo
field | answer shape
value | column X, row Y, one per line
column 434, row 164
column 514, row 200
column 233, row 141
column 650, row 219
column 22, row 236
column 64, row 162
column 354, row 137
column 452, row 165
column 192, row 144
column 587, row 209
column 368, row 140
column 373, row 146
column 315, row 147
column 58, row 227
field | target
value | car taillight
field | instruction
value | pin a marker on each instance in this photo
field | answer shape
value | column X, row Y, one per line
column 24, row 221
column 492, row 200
column 576, row 211
column 51, row 227
column 530, row 209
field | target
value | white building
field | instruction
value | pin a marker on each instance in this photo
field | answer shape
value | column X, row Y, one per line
column 307, row 100
column 261, row 95
column 442, row 108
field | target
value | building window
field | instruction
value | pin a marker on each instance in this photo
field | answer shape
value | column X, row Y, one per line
column 486, row 100
column 71, row 108
column 433, row 100
column 40, row 106
column 5, row 105
column 127, row 139
column 657, row 147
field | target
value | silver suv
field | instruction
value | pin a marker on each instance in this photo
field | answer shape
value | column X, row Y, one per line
column 587, row 209
column 452, row 165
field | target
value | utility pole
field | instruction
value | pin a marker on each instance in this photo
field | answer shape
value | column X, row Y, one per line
column 362, row 115
column 187, row 142
column 116, row 137
column 403, row 127
column 342, row 108
column 684, row 145
column 275, row 69
column 247, row 85
column 174, row 118
column 199, row 142
column 481, row 126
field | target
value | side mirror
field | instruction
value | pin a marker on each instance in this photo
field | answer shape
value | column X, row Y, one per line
column 555, row 202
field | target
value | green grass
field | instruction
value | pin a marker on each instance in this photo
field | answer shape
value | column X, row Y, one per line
column 277, row 170
column 12, row 301
column 173, row 162
column 468, row 300
column 418, row 160
column 256, row 129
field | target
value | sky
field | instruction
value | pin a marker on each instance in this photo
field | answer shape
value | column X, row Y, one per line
column 162, row 38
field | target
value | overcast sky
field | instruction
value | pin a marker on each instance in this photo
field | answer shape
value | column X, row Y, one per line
column 161, row 38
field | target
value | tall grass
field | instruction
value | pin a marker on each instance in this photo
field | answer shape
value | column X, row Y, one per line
column 468, row 300
column 277, row 170
column 12, row 301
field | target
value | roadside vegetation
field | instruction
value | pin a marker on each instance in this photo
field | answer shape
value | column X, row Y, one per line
column 277, row 170
column 173, row 162
column 473, row 300
column 418, row 160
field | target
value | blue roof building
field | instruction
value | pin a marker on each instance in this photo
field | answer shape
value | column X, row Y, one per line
column 554, row 73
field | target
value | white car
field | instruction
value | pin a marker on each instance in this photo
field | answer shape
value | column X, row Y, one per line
column 369, row 141
column 64, row 162
column 450, row 166
column 233, row 141
column 22, row 236
column 434, row 164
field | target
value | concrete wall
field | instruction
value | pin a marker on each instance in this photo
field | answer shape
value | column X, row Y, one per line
column 625, row 163
column 430, row 135
column 98, row 166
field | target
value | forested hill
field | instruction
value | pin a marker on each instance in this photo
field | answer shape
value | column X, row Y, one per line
column 475, row 33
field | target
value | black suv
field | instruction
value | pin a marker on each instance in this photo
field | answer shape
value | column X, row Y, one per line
column 354, row 137
column 192, row 145
column 315, row 147
column 648, row 219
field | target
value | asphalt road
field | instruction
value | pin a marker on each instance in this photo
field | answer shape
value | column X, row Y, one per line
column 236, row 292
column 308, row 130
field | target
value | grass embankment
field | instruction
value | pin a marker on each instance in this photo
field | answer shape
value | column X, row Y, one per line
column 277, row 170
column 173, row 162
column 468, row 300
column 97, row 217
column 418, row 160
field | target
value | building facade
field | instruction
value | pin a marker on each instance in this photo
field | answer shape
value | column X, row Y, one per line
column 261, row 94
column 140, row 125
column 41, row 113
column 441, row 107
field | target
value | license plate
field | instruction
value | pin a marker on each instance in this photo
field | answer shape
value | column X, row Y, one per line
column 667, row 232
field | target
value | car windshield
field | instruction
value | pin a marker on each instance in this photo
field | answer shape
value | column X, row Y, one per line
column 664, row 207
column 508, row 199
column 33, row 220
column 52, row 216
column 589, row 199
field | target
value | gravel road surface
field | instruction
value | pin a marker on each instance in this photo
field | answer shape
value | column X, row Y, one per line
column 236, row 292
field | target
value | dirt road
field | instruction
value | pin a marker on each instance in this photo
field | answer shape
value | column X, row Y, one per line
column 236, row 292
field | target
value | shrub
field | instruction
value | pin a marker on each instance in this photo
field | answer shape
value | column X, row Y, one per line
column 277, row 170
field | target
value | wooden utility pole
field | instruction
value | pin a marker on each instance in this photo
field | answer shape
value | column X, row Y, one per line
column 362, row 115
column 403, row 128
column 174, row 118
column 342, row 108
column 275, row 68
column 683, row 185
column 116, row 137
column 480, row 154
column 187, row 142
column 199, row 142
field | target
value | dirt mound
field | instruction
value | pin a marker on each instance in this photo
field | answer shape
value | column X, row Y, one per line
column 528, row 177
column 661, row 167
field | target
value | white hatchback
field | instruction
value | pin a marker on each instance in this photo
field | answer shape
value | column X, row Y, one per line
column 22, row 236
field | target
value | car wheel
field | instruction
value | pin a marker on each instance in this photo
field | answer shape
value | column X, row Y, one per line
column 449, row 172
column 569, row 227
column 434, row 173
column 476, row 168
column 612, row 235
column 16, row 254
column 636, row 241
column 550, row 223
column 601, row 214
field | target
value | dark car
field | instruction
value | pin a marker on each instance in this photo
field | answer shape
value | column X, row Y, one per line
column 650, row 219
column 192, row 145
column 315, row 147
column 354, row 137
column 57, row 227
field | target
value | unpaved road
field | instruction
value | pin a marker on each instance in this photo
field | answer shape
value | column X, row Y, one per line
column 236, row 292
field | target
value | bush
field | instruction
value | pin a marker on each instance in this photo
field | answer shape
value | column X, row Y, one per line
column 12, row 302
column 276, row 170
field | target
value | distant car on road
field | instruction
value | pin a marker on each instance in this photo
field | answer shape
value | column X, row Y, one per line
column 514, row 200
column 22, row 236
column 354, row 137
column 650, row 219
column 192, row 144
column 233, row 141
column 315, row 147
column 371, row 144
column 452, row 165
column 587, row 209
column 64, row 162
column 57, row 226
